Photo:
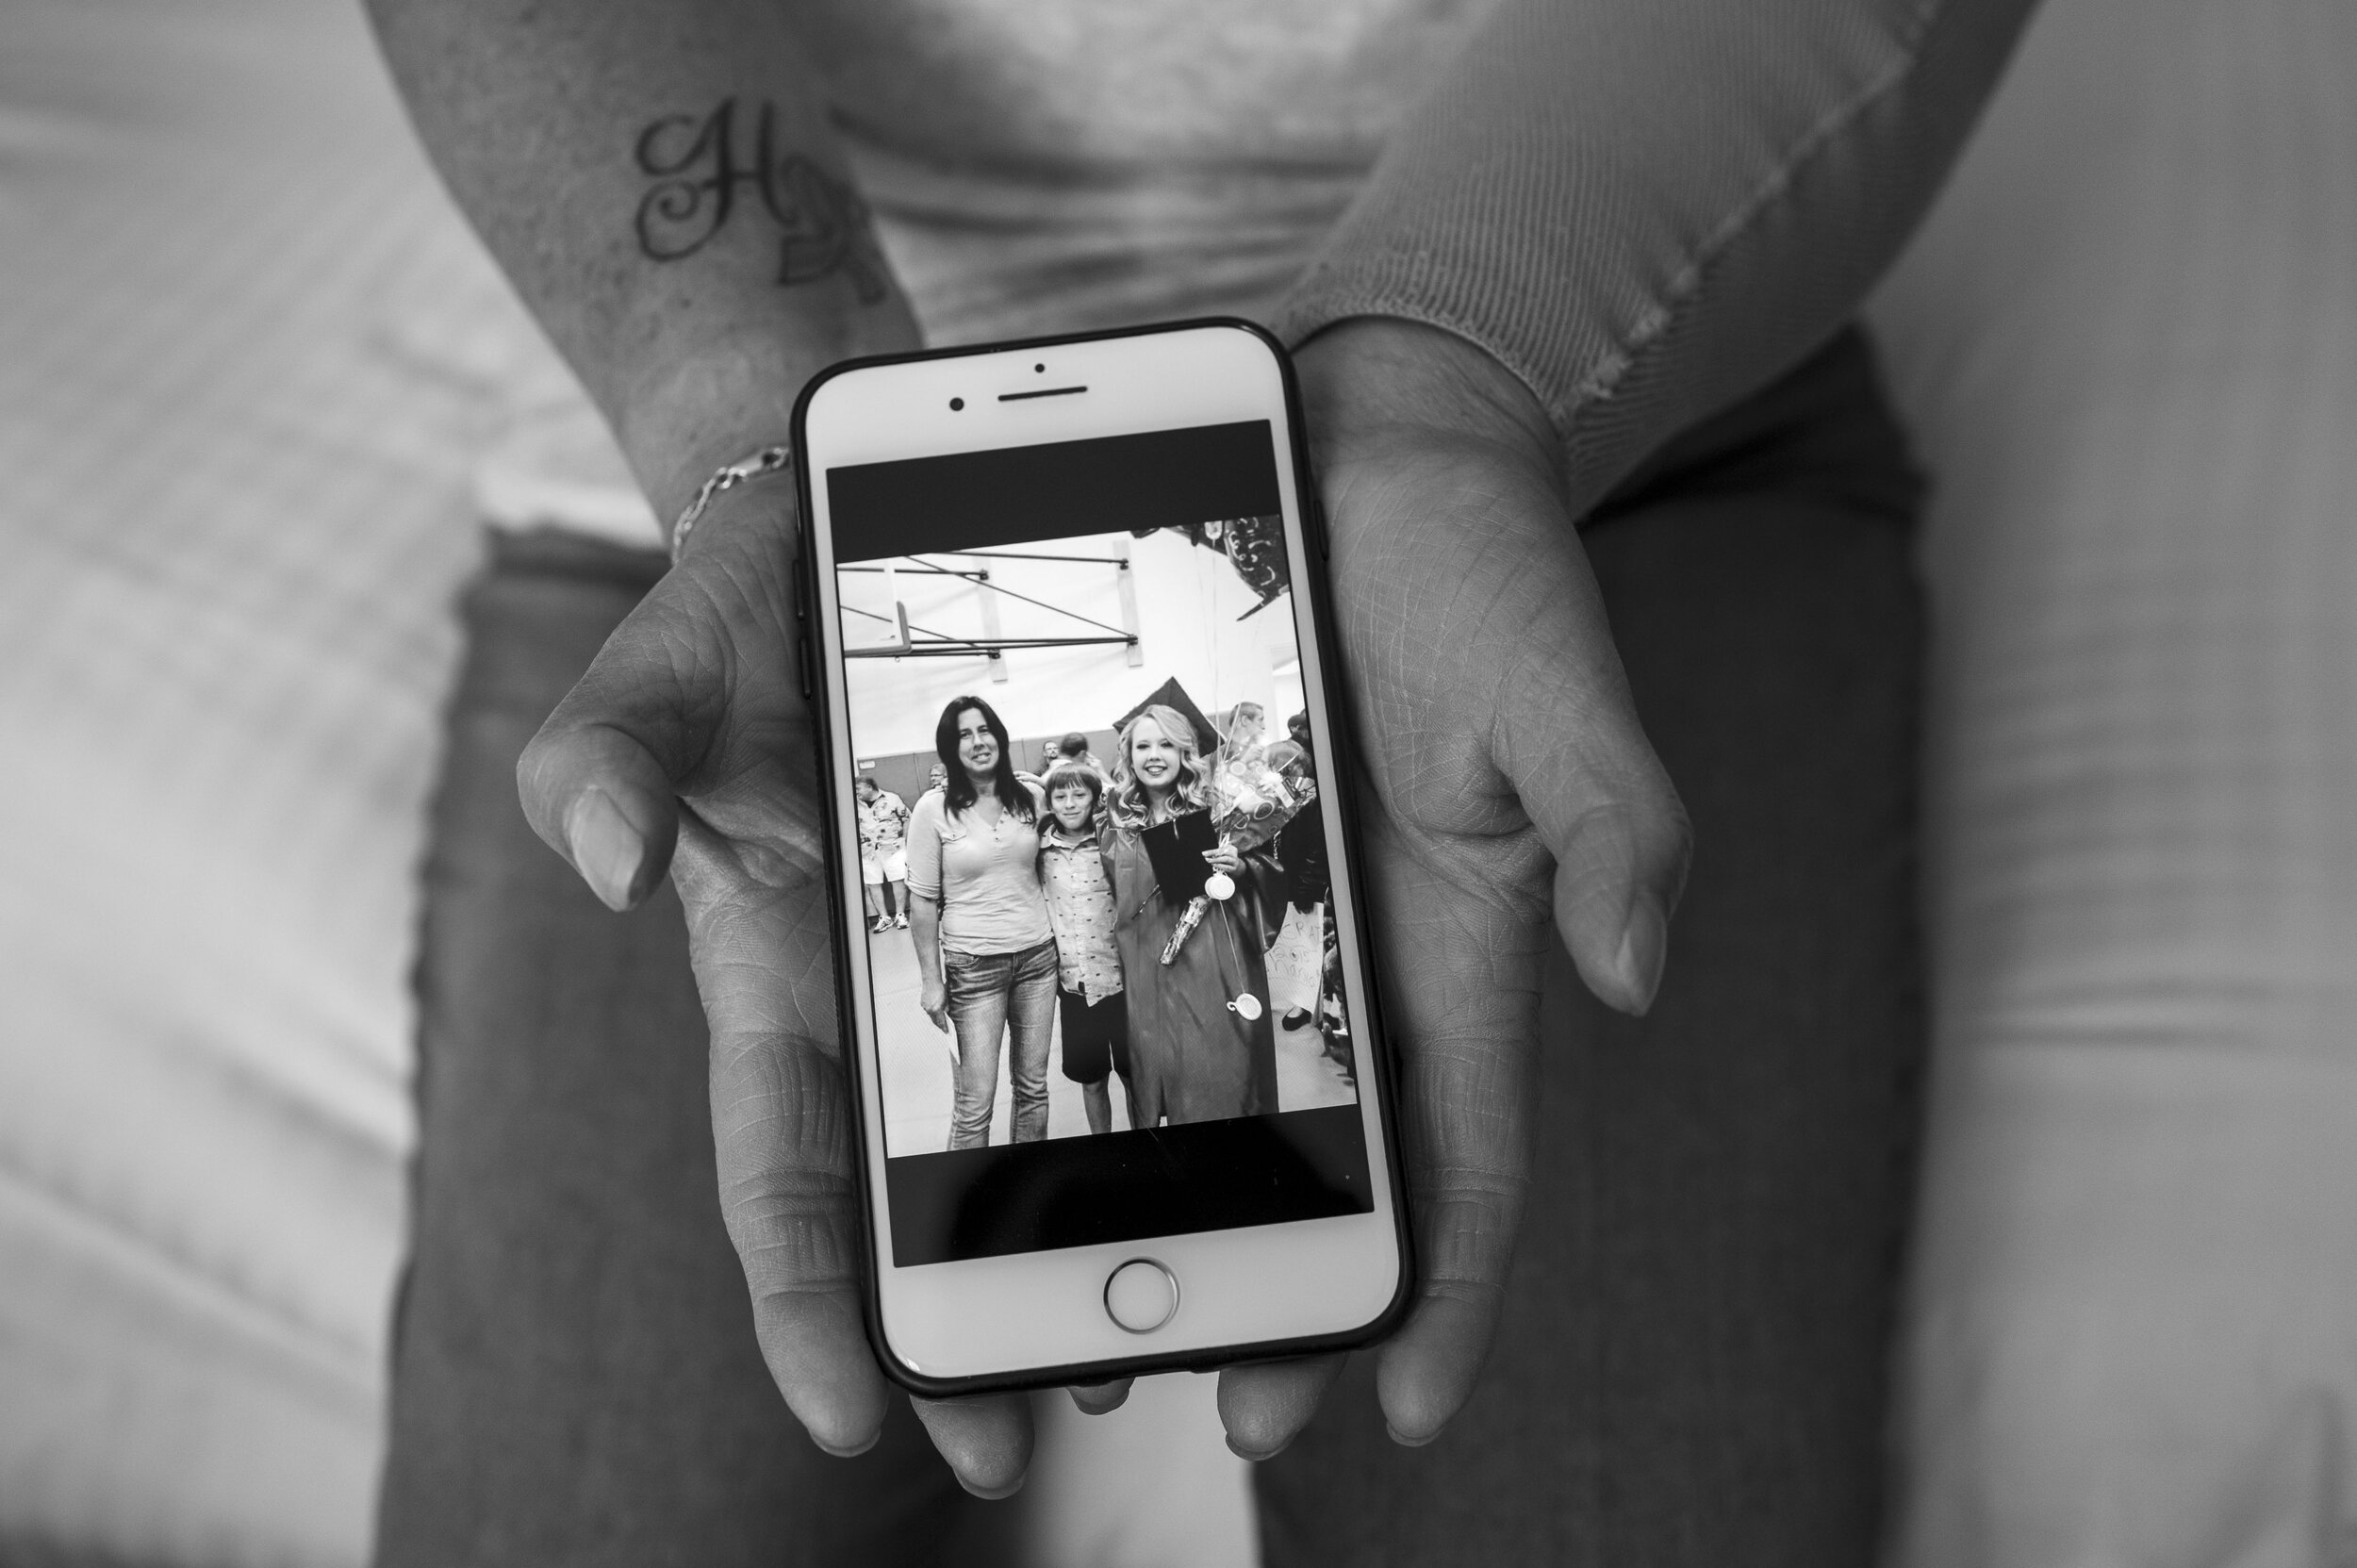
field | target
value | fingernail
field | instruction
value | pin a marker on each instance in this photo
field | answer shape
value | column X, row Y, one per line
column 855, row 1450
column 1404, row 1441
column 1256, row 1456
column 989, row 1496
column 1644, row 947
column 607, row 850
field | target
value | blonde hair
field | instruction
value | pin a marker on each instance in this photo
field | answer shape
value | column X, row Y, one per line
column 1127, row 801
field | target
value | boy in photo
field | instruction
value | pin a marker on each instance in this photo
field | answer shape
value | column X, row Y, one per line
column 1091, row 1008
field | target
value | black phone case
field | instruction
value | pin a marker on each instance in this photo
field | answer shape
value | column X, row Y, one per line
column 1372, row 1038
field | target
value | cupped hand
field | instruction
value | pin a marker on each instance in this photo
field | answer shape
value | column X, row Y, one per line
column 1505, row 773
column 1505, row 777
column 687, row 747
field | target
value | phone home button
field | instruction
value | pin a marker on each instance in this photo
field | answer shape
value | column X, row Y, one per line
column 1141, row 1295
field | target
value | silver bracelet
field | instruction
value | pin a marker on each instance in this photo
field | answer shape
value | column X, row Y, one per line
column 768, row 460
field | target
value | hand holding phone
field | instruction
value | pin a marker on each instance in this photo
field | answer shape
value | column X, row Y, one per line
column 1511, row 782
column 1430, row 474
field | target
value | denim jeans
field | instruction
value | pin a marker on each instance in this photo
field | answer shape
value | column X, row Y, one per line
column 991, row 994
column 1690, row 1368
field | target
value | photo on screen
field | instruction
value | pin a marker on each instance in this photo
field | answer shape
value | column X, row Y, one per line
column 1099, row 911
column 1083, row 765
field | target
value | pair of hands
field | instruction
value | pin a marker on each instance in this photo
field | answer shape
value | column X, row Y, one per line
column 1505, row 777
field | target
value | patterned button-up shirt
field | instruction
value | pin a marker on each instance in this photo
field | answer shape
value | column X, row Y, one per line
column 881, row 823
column 1081, row 908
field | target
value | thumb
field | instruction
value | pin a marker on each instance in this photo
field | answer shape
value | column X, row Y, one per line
column 597, row 795
column 601, row 782
column 1619, row 870
column 1608, row 812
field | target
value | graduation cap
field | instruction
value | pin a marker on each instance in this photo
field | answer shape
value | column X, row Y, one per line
column 1170, row 694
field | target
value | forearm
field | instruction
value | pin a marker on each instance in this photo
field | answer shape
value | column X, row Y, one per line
column 925, row 930
column 1644, row 208
column 661, row 186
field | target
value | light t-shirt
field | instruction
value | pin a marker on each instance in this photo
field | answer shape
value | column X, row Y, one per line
column 985, row 875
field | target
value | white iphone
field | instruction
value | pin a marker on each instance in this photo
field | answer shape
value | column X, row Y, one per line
column 1125, row 1099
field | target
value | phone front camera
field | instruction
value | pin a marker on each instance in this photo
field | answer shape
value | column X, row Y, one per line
column 956, row 403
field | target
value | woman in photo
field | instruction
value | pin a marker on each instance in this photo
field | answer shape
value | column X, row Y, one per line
column 1089, row 999
column 984, row 944
column 1201, row 1047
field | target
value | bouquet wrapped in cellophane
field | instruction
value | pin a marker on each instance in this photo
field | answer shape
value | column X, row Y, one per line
column 1248, row 809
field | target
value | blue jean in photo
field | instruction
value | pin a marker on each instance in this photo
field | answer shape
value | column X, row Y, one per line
column 991, row 994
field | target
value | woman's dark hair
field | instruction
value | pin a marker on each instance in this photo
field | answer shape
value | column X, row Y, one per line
column 959, row 792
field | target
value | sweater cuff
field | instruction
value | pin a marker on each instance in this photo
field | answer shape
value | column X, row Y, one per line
column 1646, row 212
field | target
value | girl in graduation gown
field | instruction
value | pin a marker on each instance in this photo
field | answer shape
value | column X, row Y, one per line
column 1197, row 1051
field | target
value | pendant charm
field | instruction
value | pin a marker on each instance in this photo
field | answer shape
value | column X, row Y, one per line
column 1220, row 886
column 1248, row 1007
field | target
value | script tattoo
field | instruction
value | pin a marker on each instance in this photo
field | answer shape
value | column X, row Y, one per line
column 701, row 173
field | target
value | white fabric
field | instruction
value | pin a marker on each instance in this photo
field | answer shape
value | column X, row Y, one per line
column 2128, row 340
column 256, row 379
column 237, row 408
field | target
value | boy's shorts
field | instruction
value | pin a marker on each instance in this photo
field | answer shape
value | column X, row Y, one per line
column 1095, row 1039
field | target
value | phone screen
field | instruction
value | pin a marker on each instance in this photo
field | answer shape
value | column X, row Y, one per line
column 1089, row 772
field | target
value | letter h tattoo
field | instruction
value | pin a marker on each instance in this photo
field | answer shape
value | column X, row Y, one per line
column 698, row 175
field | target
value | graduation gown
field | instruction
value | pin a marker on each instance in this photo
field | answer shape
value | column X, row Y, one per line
column 1193, row 1058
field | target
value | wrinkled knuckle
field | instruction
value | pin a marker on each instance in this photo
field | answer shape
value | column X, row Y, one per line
column 1487, row 1295
column 747, row 858
column 779, row 1102
column 779, row 867
column 1481, row 1061
column 1483, row 1017
column 1522, row 888
column 1501, row 873
column 1470, row 1244
column 1453, row 790
column 1474, row 1186
column 791, row 1252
